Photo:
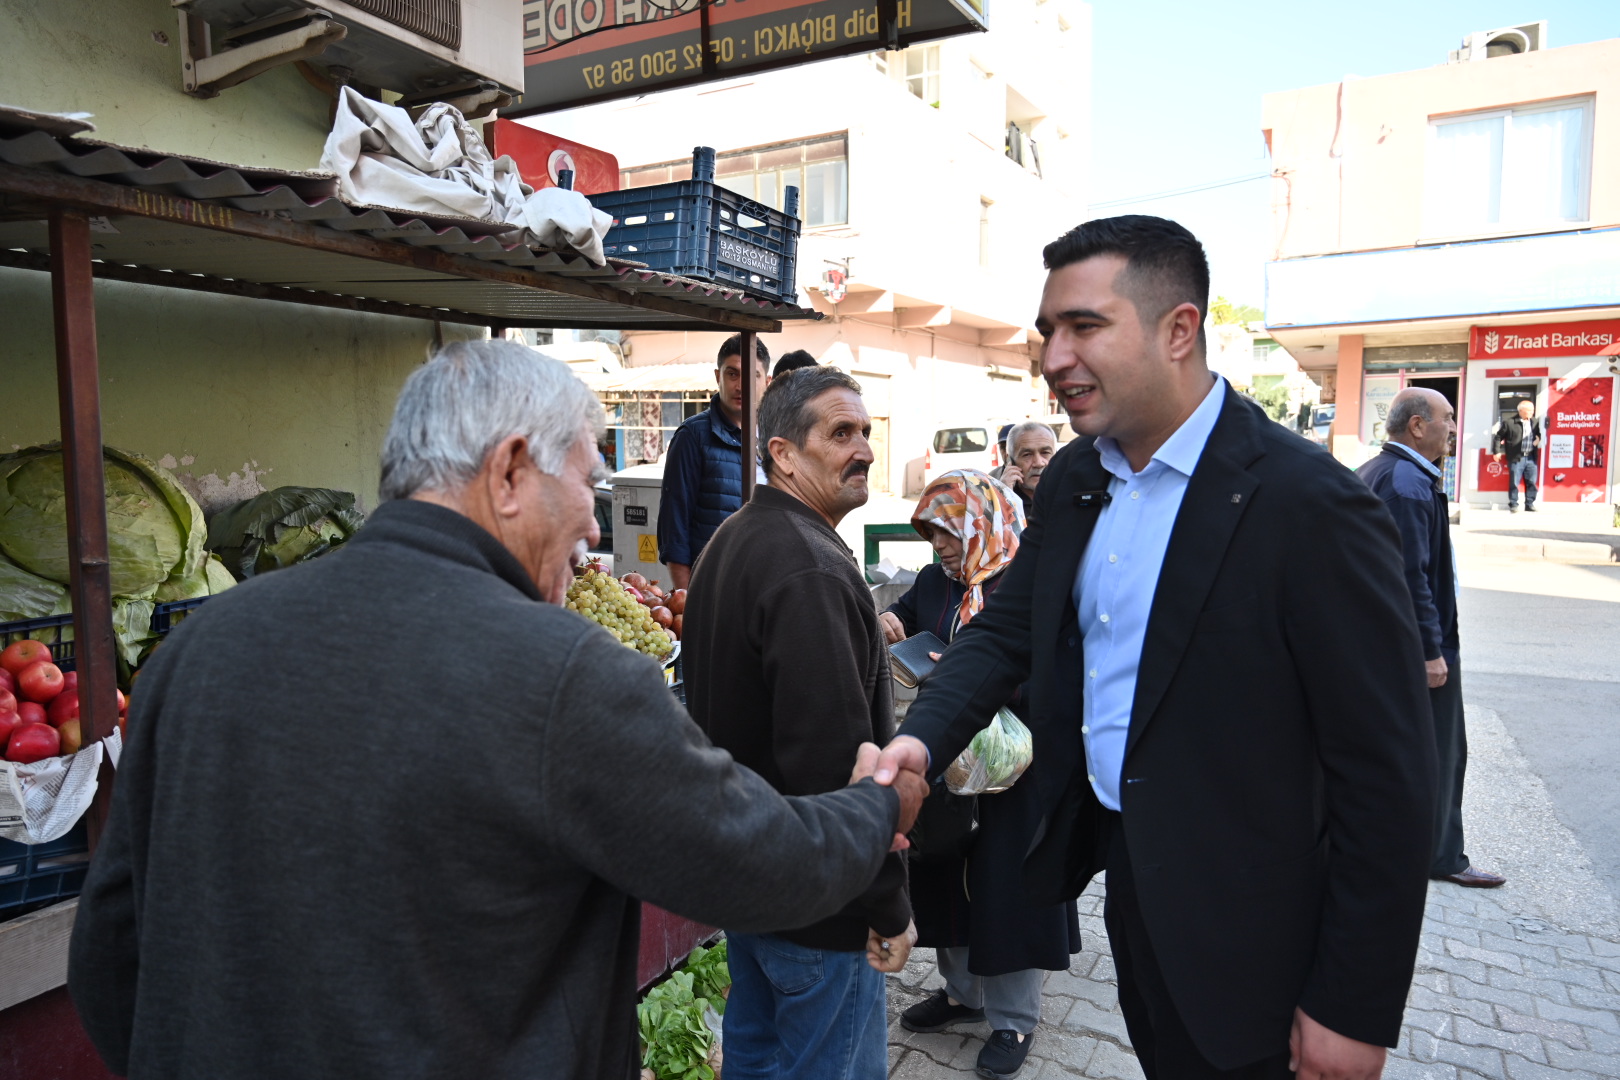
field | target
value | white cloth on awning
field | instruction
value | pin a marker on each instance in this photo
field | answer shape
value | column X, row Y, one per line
column 439, row 164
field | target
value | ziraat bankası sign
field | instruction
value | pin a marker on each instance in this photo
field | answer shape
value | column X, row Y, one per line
column 581, row 51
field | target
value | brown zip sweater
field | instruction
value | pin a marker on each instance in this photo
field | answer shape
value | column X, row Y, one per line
column 786, row 668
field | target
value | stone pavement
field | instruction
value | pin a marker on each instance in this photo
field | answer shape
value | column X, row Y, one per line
column 1517, row 983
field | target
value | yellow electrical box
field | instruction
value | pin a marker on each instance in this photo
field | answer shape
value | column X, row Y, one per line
column 647, row 547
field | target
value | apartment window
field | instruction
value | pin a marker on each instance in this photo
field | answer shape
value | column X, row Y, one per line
column 922, row 73
column 880, row 61
column 819, row 168
column 1527, row 167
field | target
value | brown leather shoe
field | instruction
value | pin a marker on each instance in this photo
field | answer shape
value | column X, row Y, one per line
column 1471, row 877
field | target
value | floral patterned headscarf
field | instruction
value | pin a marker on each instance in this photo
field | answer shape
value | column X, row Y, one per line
column 985, row 515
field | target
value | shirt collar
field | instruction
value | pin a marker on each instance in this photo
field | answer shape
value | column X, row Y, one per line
column 1182, row 449
column 1428, row 466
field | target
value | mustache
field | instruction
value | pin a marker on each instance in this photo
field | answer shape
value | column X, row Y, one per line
column 861, row 467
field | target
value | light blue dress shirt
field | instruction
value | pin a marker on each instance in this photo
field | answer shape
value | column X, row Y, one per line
column 1119, row 573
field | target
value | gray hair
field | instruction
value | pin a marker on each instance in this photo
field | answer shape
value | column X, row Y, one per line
column 469, row 396
column 1407, row 404
column 784, row 410
column 1028, row 427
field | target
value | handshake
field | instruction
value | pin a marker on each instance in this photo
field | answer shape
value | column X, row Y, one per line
column 901, row 765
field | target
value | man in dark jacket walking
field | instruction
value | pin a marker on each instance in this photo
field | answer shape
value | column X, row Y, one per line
column 397, row 859
column 1421, row 425
column 703, row 472
column 787, row 668
column 1518, row 438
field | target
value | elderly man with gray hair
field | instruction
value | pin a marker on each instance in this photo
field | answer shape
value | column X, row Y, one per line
column 1030, row 447
column 1406, row 475
column 387, row 814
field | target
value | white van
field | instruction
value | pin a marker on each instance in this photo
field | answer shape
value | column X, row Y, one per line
column 969, row 445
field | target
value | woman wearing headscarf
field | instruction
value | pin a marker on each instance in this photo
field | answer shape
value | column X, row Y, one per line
column 994, row 947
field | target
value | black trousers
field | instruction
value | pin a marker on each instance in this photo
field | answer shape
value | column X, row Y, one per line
column 1163, row 1046
column 1451, row 748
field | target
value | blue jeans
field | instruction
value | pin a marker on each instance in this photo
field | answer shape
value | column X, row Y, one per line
column 802, row 1014
column 1525, row 467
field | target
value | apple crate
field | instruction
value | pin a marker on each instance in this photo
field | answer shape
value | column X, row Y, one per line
column 166, row 617
column 697, row 229
column 34, row 875
column 55, row 631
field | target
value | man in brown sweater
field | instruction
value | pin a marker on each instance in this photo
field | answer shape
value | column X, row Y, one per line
column 786, row 668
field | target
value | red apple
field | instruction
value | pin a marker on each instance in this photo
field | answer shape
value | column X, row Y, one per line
column 32, row 712
column 8, row 681
column 65, row 706
column 8, row 700
column 70, row 681
column 40, row 681
column 31, row 742
column 123, row 703
column 9, row 722
column 71, row 737
column 19, row 654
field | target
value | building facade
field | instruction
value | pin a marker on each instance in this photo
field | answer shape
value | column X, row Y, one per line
column 1452, row 228
column 929, row 181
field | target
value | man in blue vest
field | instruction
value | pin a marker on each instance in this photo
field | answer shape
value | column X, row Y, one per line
column 704, row 468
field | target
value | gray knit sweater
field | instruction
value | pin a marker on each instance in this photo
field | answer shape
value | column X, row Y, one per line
column 383, row 815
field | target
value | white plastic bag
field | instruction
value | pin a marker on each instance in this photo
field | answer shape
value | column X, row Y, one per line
column 994, row 760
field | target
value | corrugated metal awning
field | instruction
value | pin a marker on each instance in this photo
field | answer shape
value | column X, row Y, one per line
column 209, row 226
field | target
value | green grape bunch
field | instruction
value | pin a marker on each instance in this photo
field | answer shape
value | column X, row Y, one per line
column 600, row 598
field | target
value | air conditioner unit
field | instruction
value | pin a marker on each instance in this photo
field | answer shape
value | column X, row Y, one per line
column 1507, row 41
column 422, row 49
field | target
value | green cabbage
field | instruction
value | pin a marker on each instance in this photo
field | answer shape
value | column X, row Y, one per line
column 28, row 596
column 281, row 527
column 154, row 527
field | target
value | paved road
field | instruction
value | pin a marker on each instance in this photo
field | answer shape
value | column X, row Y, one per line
column 1541, row 646
column 1519, row 983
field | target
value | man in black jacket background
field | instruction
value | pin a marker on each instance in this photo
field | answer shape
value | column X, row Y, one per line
column 1404, row 475
column 787, row 668
column 1226, row 689
column 1518, row 438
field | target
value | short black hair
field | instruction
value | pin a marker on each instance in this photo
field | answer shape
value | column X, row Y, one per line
column 732, row 346
column 784, row 411
column 793, row 361
column 1165, row 265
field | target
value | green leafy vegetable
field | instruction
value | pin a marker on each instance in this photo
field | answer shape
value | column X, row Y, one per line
column 675, row 1040
column 281, row 527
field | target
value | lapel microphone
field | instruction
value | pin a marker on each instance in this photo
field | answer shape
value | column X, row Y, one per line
column 1092, row 500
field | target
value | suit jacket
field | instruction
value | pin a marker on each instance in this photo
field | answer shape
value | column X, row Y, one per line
column 1422, row 514
column 1279, row 773
column 1509, row 435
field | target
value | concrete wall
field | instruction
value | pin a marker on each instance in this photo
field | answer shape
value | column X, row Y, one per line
column 119, row 60
column 235, row 396
column 1352, row 153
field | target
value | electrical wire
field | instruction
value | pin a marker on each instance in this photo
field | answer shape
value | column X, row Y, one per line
column 1180, row 191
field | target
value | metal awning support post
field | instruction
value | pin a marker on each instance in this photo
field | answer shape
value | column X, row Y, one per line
column 750, row 415
column 78, row 395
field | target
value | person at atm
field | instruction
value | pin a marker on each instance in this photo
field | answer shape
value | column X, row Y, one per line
column 1518, row 438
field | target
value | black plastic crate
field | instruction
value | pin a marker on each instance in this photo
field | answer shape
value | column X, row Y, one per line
column 166, row 617
column 53, row 630
column 38, row 874
column 697, row 229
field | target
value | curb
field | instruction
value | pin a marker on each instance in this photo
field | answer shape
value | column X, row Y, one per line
column 1567, row 551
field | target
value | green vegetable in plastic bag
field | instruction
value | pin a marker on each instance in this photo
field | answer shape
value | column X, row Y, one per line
column 154, row 527
column 281, row 527
column 995, row 758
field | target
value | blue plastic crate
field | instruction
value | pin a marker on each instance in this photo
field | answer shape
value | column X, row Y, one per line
column 166, row 617
column 53, row 630
column 40, row 874
column 697, row 229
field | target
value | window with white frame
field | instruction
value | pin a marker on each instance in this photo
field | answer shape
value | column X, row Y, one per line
column 1526, row 167
column 818, row 167
column 922, row 73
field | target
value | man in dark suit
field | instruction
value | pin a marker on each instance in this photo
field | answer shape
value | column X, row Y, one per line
column 1519, row 439
column 1226, row 687
column 1406, row 476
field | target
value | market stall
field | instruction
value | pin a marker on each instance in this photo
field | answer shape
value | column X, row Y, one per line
column 80, row 209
